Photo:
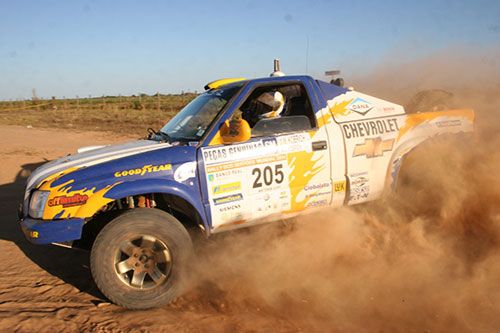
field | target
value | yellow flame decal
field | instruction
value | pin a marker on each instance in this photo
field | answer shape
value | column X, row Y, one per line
column 94, row 202
column 339, row 109
column 56, row 175
column 302, row 170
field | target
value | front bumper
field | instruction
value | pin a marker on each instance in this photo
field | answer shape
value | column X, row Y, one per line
column 51, row 231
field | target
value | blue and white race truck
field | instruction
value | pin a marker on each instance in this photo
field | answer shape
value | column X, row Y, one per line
column 242, row 153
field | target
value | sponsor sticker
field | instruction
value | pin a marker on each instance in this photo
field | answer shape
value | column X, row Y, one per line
column 68, row 201
column 360, row 106
column 359, row 193
column 255, row 149
column 339, row 186
column 252, row 178
column 221, row 154
column 359, row 181
column 229, row 208
column 449, row 123
column 374, row 147
column 144, row 170
column 228, row 199
column 225, row 175
column 359, row 188
column 370, row 128
column 317, row 194
column 236, row 167
column 225, row 188
column 317, row 203
column 316, row 186
column 185, row 171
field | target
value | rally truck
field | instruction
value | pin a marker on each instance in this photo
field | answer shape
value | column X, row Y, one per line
column 242, row 153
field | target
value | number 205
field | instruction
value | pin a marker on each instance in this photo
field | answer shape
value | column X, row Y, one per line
column 268, row 175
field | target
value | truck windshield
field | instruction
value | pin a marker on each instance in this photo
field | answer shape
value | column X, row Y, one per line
column 196, row 117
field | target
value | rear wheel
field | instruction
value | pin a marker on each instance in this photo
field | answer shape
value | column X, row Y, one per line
column 430, row 100
column 137, row 259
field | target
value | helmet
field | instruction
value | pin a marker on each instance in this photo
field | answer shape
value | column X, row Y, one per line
column 274, row 103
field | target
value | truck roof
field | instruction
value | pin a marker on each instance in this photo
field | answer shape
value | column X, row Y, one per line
column 226, row 81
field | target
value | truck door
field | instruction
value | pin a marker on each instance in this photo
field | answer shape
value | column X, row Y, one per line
column 370, row 128
column 283, row 169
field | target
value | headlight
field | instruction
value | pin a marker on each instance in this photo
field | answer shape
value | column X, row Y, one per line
column 37, row 203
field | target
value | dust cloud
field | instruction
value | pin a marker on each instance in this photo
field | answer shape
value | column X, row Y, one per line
column 423, row 260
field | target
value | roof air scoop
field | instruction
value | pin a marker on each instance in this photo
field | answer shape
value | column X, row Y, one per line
column 277, row 69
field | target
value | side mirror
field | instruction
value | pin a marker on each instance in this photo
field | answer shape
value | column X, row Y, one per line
column 236, row 130
column 338, row 82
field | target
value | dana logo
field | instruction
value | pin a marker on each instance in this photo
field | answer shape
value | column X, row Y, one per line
column 360, row 106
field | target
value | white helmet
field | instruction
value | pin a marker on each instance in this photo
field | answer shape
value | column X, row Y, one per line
column 275, row 101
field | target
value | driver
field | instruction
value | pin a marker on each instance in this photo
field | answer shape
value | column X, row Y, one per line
column 271, row 105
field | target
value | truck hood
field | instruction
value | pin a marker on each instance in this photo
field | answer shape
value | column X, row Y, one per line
column 92, row 157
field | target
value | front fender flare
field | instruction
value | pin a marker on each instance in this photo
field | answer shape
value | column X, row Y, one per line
column 165, row 186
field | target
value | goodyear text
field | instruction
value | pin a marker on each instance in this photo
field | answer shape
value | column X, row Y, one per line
column 142, row 171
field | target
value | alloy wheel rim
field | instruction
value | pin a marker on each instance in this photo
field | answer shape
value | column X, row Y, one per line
column 143, row 262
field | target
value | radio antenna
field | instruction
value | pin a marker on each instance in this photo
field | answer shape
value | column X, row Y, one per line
column 307, row 54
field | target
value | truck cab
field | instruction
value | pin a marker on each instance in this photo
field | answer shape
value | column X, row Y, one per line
column 284, row 165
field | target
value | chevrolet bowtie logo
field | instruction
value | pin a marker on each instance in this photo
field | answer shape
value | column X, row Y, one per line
column 373, row 147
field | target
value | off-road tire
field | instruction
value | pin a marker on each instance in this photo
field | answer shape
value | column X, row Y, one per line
column 132, row 225
column 429, row 101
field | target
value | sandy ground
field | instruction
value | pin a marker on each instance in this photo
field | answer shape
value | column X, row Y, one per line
column 50, row 289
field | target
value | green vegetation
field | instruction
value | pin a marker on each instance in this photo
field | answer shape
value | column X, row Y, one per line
column 131, row 114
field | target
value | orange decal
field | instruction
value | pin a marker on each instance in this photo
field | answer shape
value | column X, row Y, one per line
column 416, row 119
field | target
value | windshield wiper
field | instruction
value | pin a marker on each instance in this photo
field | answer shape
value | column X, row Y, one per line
column 169, row 139
column 190, row 138
column 165, row 136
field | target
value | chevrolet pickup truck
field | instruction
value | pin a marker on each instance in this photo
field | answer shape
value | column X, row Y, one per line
column 220, row 165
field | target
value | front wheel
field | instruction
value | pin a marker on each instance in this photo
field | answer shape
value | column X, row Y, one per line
column 137, row 259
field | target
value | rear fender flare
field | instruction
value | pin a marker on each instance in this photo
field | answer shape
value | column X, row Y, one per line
column 397, row 159
column 409, row 144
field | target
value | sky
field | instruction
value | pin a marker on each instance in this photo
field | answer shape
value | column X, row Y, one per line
column 95, row 48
